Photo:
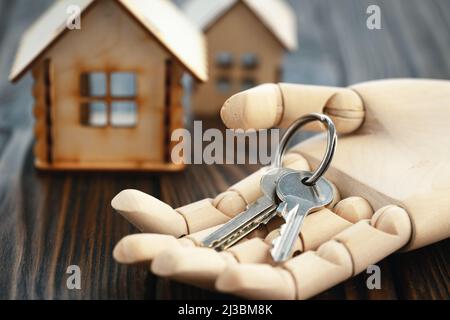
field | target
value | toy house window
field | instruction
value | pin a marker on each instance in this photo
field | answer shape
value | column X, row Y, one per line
column 223, row 84
column 249, row 61
column 248, row 83
column 108, row 99
column 123, row 85
column 93, row 84
column 224, row 60
column 123, row 114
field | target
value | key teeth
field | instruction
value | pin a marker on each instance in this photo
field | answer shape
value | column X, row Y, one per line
column 276, row 250
column 283, row 228
column 281, row 209
column 276, row 242
column 283, row 212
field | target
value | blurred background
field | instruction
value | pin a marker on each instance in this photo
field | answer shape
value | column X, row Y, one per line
column 52, row 220
column 335, row 45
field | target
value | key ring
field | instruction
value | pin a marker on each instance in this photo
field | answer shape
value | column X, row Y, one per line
column 331, row 144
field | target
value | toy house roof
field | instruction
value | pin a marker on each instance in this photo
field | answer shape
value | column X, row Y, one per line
column 276, row 15
column 166, row 23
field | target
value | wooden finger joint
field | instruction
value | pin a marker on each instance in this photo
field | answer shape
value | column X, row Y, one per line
column 201, row 215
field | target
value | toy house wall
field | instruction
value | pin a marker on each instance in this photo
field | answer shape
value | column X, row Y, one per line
column 238, row 32
column 109, row 40
column 41, row 127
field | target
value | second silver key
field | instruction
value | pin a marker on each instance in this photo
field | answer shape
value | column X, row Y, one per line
column 298, row 200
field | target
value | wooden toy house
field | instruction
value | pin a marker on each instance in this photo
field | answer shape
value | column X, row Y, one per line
column 108, row 95
column 246, row 42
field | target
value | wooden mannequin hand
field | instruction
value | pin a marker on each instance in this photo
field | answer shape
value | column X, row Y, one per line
column 171, row 237
column 360, row 167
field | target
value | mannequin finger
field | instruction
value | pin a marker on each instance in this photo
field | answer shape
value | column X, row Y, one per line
column 271, row 105
column 201, row 266
column 197, row 266
column 353, row 209
column 138, row 248
column 145, row 247
column 312, row 272
column 151, row 215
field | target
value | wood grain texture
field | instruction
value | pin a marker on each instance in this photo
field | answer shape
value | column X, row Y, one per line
column 49, row 221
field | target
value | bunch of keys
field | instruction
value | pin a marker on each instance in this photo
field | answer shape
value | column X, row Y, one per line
column 287, row 193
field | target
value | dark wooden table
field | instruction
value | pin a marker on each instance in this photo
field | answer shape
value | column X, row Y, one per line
column 51, row 221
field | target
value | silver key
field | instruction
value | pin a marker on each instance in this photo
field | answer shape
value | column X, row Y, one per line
column 260, row 212
column 297, row 200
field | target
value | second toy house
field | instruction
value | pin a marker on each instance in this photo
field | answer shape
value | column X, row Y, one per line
column 246, row 40
column 108, row 95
